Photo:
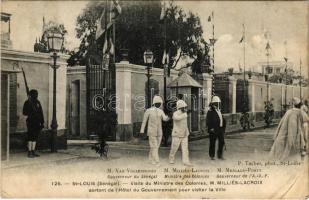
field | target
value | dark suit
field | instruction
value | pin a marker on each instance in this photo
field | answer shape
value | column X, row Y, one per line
column 35, row 118
column 215, row 132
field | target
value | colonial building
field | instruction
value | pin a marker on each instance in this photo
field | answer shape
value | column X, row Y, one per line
column 274, row 67
column 39, row 76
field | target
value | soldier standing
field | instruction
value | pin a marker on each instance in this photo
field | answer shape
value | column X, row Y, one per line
column 216, row 128
column 180, row 134
column 154, row 117
column 35, row 121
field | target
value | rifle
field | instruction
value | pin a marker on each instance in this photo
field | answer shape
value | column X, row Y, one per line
column 26, row 84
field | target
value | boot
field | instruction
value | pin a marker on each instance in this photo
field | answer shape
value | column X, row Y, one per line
column 34, row 154
column 30, row 155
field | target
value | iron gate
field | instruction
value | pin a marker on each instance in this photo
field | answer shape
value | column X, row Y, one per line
column 101, row 112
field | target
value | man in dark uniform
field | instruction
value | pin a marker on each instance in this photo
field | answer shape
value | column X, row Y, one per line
column 216, row 128
column 35, row 120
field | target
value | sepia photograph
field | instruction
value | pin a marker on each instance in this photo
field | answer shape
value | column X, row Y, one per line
column 154, row 99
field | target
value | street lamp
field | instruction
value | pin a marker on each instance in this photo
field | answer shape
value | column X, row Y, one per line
column 148, row 60
column 267, row 87
column 55, row 43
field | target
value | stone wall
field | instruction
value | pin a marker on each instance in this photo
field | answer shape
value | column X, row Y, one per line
column 131, row 92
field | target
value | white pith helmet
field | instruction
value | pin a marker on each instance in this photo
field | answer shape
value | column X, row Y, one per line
column 296, row 101
column 157, row 99
column 215, row 99
column 181, row 104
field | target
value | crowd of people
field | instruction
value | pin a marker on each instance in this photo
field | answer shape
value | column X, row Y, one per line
column 290, row 138
column 154, row 116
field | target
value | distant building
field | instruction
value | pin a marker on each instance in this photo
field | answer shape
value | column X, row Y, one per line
column 274, row 67
column 6, row 30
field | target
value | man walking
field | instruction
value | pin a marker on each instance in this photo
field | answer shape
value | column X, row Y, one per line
column 180, row 133
column 216, row 128
column 289, row 138
column 154, row 117
column 35, row 121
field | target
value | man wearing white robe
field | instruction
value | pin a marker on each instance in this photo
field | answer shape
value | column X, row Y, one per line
column 289, row 138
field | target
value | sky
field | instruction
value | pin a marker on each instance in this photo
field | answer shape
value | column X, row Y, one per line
column 283, row 20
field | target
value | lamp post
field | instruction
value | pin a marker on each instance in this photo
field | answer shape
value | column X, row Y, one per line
column 267, row 87
column 148, row 60
column 55, row 43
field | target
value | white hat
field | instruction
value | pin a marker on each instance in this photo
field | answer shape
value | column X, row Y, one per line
column 157, row 99
column 296, row 101
column 181, row 104
column 215, row 99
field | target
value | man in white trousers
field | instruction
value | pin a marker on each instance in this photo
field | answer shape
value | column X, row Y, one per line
column 154, row 117
column 180, row 133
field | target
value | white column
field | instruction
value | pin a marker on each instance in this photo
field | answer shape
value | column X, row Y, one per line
column 207, row 88
column 251, row 95
column 232, row 94
column 269, row 91
column 123, row 94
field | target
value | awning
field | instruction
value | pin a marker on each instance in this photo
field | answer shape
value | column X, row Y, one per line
column 185, row 80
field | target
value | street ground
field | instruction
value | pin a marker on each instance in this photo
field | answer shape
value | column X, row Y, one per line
column 80, row 163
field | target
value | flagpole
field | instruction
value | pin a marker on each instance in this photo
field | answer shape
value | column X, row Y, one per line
column 213, row 52
column 244, row 52
column 267, row 54
column 103, row 60
column 114, row 58
column 244, row 41
column 164, row 66
column 300, row 78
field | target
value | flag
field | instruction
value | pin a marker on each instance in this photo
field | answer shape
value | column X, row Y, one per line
column 105, row 56
column 105, row 45
column 210, row 17
column 267, row 46
column 115, row 10
column 111, row 46
column 212, row 41
column 163, row 10
column 286, row 59
column 242, row 39
column 165, row 58
column 101, row 24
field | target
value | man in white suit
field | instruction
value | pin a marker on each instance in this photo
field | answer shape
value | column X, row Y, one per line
column 180, row 133
column 154, row 116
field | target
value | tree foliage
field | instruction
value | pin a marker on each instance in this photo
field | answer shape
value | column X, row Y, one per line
column 139, row 28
